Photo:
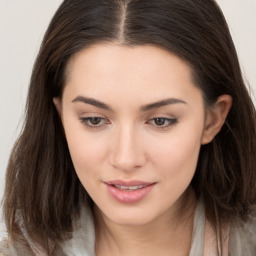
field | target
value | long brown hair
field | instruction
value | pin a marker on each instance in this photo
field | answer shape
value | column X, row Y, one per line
column 42, row 189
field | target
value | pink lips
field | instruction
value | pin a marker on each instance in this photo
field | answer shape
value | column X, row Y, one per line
column 129, row 191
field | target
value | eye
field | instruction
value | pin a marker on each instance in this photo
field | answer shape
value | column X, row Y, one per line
column 162, row 122
column 94, row 121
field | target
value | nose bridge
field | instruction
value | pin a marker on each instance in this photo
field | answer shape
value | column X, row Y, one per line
column 128, row 150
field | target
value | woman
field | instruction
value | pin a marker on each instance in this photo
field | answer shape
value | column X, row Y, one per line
column 139, row 137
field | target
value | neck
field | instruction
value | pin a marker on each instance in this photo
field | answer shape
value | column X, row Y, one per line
column 168, row 234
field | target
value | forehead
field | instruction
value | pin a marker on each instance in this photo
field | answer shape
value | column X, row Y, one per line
column 149, row 70
column 107, row 56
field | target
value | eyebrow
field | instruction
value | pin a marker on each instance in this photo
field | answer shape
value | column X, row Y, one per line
column 162, row 103
column 144, row 108
column 92, row 102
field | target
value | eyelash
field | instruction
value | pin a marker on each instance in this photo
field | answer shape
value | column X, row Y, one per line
column 87, row 121
column 167, row 122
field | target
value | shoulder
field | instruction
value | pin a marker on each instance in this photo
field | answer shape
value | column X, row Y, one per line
column 243, row 236
column 8, row 249
column 4, row 248
column 83, row 236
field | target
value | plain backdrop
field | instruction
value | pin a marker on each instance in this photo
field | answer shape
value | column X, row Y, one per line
column 22, row 26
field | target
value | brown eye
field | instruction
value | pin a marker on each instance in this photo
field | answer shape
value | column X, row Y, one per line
column 159, row 121
column 162, row 122
column 94, row 121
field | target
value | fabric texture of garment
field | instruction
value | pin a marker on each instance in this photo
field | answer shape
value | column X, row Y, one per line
column 240, row 239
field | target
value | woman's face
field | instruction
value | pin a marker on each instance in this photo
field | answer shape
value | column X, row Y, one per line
column 134, row 122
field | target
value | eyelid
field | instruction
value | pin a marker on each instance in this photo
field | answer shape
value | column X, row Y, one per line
column 85, row 121
column 171, row 121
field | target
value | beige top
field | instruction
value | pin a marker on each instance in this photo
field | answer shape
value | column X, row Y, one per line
column 238, row 239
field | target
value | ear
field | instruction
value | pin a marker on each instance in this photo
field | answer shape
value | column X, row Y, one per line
column 57, row 103
column 215, row 118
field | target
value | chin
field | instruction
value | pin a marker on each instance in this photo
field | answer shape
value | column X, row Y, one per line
column 130, row 216
column 131, row 221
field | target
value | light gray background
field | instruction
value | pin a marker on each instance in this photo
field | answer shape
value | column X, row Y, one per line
column 22, row 25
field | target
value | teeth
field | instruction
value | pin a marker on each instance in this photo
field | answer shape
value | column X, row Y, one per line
column 129, row 187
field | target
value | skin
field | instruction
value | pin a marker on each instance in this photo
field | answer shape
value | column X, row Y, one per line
column 127, row 142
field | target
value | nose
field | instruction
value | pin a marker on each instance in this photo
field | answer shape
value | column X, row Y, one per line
column 128, row 152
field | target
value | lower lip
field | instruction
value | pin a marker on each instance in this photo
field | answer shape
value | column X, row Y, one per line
column 129, row 196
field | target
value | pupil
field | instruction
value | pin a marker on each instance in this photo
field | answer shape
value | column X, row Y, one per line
column 159, row 121
column 95, row 120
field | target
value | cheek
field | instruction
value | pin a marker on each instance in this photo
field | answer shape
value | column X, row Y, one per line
column 87, row 151
column 177, row 152
column 176, row 164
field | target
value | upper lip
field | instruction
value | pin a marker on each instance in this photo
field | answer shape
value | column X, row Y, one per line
column 129, row 183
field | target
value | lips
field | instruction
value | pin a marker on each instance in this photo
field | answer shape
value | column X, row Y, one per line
column 129, row 187
column 128, row 183
column 129, row 191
